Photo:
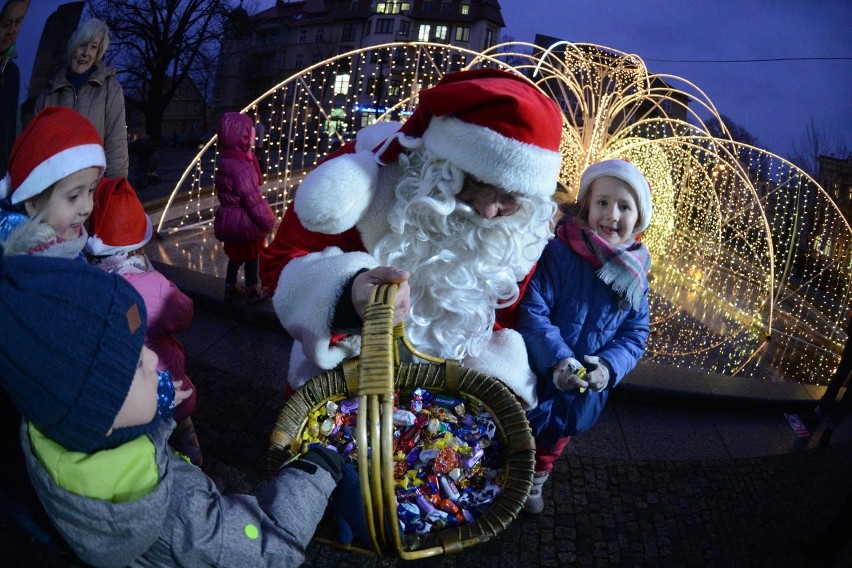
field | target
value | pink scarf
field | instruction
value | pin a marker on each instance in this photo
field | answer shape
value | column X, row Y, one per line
column 623, row 268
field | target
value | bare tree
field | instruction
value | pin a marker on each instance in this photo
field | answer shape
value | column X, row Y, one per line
column 816, row 142
column 756, row 162
column 158, row 44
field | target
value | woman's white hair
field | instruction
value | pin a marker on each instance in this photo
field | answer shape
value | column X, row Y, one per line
column 87, row 32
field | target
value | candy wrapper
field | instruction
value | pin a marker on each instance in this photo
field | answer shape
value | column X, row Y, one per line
column 446, row 462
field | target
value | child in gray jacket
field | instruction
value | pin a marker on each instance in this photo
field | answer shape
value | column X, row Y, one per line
column 97, row 417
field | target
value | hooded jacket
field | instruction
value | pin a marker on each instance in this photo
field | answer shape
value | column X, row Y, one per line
column 184, row 520
column 169, row 312
column 243, row 216
column 568, row 311
column 101, row 100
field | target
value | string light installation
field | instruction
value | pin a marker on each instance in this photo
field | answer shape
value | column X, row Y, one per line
column 752, row 259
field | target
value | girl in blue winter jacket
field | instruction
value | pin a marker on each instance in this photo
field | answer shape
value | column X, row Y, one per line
column 587, row 301
column 244, row 218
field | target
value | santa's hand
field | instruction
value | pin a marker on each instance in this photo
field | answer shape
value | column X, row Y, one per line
column 567, row 375
column 181, row 394
column 598, row 377
column 362, row 290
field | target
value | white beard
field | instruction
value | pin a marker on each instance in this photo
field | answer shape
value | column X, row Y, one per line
column 463, row 267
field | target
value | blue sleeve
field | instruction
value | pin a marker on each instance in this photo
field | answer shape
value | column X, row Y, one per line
column 627, row 346
column 543, row 339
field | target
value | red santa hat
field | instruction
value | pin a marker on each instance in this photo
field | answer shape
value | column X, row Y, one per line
column 629, row 174
column 57, row 143
column 118, row 222
column 494, row 125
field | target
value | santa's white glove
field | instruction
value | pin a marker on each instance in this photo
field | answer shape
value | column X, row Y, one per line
column 598, row 377
column 568, row 375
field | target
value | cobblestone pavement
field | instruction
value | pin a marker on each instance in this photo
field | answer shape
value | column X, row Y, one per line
column 600, row 512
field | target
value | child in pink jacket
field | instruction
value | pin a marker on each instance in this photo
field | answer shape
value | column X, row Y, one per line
column 119, row 229
column 244, row 218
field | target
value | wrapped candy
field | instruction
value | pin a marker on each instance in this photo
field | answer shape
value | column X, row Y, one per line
column 446, row 462
column 447, row 459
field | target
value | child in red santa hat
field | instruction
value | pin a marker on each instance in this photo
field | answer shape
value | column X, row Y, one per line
column 120, row 229
column 46, row 196
column 587, row 301
column 244, row 218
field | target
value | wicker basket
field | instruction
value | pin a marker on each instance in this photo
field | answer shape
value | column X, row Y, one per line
column 374, row 378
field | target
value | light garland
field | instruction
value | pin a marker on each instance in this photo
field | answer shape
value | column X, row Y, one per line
column 751, row 258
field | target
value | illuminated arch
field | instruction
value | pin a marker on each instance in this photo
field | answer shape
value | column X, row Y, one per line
column 752, row 259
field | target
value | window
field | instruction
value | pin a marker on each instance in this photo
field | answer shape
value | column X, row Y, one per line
column 423, row 32
column 667, row 106
column 303, row 35
column 464, row 9
column 441, row 33
column 348, row 32
column 384, row 26
column 489, row 38
column 319, row 35
column 404, row 28
column 392, row 7
column 427, row 6
column 353, row 7
column 446, row 7
column 341, row 84
column 462, row 33
column 297, row 62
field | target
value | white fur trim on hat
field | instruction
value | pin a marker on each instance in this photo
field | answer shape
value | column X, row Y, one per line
column 59, row 166
column 505, row 357
column 334, row 196
column 515, row 166
column 629, row 174
column 96, row 247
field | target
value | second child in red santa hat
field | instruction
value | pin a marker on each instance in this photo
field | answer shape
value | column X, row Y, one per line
column 120, row 228
column 455, row 205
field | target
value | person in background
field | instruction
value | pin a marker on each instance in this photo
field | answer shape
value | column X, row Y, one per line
column 244, row 218
column 87, row 85
column 120, row 229
column 584, row 316
column 96, row 419
column 11, row 18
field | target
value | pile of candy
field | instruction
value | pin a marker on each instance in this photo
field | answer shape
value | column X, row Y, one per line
column 447, row 468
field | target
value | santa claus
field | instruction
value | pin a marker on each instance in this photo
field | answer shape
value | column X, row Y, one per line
column 455, row 205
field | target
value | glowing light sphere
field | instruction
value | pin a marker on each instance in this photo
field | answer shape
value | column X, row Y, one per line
column 752, row 260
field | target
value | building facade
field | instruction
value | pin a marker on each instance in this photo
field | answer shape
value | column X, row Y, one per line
column 184, row 118
column 261, row 50
column 835, row 177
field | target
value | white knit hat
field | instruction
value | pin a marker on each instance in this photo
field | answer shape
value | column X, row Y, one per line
column 57, row 143
column 629, row 174
column 494, row 125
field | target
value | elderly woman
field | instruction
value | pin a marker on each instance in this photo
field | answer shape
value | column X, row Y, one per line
column 90, row 87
